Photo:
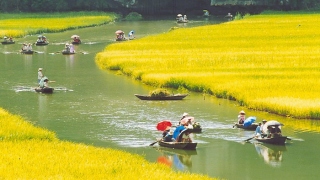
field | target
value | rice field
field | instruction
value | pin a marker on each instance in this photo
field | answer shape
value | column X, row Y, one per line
column 29, row 152
column 19, row 25
column 267, row 62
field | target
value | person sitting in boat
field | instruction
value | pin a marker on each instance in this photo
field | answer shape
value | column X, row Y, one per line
column 10, row 39
column 166, row 131
column 29, row 47
column 169, row 137
column 258, row 131
column 44, row 83
column 40, row 75
column 178, row 130
column 71, row 48
column 186, row 137
column 277, row 131
column 67, row 47
column 263, row 122
column 24, row 47
column 241, row 117
column 185, row 18
column 131, row 36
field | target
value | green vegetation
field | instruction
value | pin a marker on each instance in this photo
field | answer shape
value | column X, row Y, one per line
column 159, row 93
column 19, row 25
column 264, row 62
column 28, row 152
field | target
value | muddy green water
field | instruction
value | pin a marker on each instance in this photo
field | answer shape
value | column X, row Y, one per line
column 98, row 108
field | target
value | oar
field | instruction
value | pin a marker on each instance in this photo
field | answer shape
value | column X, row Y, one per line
column 153, row 143
column 249, row 139
column 289, row 138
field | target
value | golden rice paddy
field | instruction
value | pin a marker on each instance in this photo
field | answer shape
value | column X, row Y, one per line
column 265, row 62
column 19, row 25
column 29, row 152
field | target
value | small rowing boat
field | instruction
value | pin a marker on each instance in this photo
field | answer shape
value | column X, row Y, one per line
column 44, row 90
column 251, row 127
column 179, row 145
column 7, row 42
column 26, row 51
column 275, row 140
column 170, row 97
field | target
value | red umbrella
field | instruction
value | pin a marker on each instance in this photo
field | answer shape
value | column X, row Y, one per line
column 161, row 126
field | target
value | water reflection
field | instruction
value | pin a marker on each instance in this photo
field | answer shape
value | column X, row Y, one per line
column 176, row 158
column 271, row 154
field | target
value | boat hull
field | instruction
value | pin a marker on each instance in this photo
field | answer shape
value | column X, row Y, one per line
column 179, row 145
column 252, row 127
column 76, row 43
column 277, row 140
column 41, row 43
column 67, row 52
column 7, row 42
column 27, row 52
column 173, row 97
column 45, row 90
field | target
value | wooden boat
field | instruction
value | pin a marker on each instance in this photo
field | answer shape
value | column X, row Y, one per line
column 26, row 51
column 42, row 43
column 7, row 42
column 44, row 90
column 275, row 140
column 252, row 127
column 76, row 42
column 64, row 52
column 179, row 145
column 182, row 21
column 171, row 97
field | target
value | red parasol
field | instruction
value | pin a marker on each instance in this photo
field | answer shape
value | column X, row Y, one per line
column 161, row 126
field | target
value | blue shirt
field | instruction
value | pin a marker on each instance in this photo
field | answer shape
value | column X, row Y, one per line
column 258, row 130
column 177, row 131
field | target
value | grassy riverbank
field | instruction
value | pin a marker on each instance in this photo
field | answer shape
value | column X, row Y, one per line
column 19, row 25
column 267, row 62
column 29, row 152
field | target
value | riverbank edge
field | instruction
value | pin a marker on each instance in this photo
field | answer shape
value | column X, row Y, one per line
column 30, row 152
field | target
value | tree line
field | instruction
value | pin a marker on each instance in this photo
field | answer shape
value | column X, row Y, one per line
column 128, row 5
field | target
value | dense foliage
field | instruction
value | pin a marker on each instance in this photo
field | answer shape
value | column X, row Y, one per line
column 129, row 5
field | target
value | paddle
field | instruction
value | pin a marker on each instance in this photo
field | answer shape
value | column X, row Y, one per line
column 153, row 143
column 249, row 139
column 289, row 138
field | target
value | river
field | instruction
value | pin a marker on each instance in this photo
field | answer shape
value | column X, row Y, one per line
column 98, row 107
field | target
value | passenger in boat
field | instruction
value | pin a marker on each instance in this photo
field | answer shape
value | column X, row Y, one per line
column 186, row 137
column 241, row 117
column 178, row 130
column 44, row 83
column 277, row 131
column 10, row 39
column 71, row 48
column 29, row 47
column 24, row 47
column 258, row 131
column 169, row 137
column 166, row 131
column 67, row 47
column 229, row 16
column 131, row 36
column 40, row 75
column 263, row 122
column 185, row 18
column 270, row 131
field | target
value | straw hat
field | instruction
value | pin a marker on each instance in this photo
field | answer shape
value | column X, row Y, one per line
column 40, row 69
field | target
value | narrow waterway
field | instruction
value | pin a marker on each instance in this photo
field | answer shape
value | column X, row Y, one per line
column 98, row 108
